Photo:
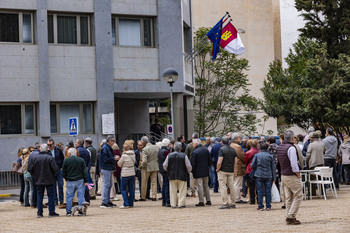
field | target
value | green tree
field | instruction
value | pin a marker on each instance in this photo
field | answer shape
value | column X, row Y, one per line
column 327, row 21
column 222, row 100
column 314, row 89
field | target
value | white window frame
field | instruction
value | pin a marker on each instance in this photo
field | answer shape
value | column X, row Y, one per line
column 81, row 113
column 23, row 122
column 141, row 19
column 20, row 26
column 77, row 17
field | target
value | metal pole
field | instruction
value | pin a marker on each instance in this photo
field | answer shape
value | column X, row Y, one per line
column 172, row 110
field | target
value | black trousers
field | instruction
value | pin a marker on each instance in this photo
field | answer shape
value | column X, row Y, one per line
column 251, row 186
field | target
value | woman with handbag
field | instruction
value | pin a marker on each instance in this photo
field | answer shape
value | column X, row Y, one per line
column 265, row 175
column 126, row 163
column 20, row 173
column 28, row 180
column 249, row 155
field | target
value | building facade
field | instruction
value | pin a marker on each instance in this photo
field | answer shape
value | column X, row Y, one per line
column 260, row 19
column 86, row 58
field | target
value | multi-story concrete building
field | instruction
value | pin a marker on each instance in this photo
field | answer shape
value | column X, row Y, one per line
column 260, row 19
column 86, row 58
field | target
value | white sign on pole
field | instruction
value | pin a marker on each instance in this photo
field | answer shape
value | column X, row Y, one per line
column 108, row 123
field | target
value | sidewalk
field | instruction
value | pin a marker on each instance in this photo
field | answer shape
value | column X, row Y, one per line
column 9, row 192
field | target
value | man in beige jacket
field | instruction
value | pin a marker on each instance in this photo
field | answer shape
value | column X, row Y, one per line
column 239, row 168
column 314, row 156
column 149, row 168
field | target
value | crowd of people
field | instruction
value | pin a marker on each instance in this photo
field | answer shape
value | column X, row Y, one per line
column 235, row 165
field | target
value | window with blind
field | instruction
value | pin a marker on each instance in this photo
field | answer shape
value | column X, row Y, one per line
column 68, row 29
column 132, row 31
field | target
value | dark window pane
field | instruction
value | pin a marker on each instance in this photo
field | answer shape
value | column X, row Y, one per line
column 29, row 119
column 9, row 29
column 10, row 119
column 114, row 40
column 66, row 29
column 53, row 118
column 84, row 30
column 147, row 33
column 87, row 119
column 27, row 28
column 50, row 28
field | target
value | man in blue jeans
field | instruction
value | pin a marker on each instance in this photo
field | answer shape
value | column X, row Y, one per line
column 107, row 164
column 59, row 157
column 43, row 169
column 75, row 173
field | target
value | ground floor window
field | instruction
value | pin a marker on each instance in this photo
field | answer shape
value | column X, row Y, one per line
column 17, row 119
column 61, row 112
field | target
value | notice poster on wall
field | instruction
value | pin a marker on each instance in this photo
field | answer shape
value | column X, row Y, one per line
column 108, row 123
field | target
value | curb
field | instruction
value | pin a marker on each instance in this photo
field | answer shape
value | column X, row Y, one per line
column 6, row 195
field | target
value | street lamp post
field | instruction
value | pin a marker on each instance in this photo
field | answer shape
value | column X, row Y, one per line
column 170, row 76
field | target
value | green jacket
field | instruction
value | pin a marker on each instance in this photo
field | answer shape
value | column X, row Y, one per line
column 74, row 168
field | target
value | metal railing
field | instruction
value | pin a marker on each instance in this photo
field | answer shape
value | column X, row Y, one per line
column 9, row 179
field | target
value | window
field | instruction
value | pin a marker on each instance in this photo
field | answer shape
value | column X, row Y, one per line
column 68, row 29
column 16, row 27
column 132, row 31
column 60, row 114
column 17, row 119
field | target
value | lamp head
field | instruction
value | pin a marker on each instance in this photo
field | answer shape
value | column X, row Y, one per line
column 170, row 76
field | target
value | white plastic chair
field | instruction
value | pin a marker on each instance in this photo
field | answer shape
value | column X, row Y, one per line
column 324, row 176
column 304, row 178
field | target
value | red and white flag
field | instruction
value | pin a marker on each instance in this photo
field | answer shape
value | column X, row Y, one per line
column 230, row 40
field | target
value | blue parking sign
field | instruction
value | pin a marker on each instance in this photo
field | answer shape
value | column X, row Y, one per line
column 73, row 126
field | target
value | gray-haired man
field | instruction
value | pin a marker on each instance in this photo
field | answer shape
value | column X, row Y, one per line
column 178, row 166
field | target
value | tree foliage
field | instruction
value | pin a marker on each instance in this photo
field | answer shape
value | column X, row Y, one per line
column 222, row 93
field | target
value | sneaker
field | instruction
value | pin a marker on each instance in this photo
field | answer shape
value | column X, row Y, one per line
column 283, row 207
column 39, row 215
column 268, row 209
column 123, row 207
column 168, row 205
column 233, row 206
column 115, row 199
column 54, row 214
column 200, row 204
column 292, row 221
column 241, row 202
column 224, row 207
column 181, row 207
column 69, row 214
column 208, row 203
column 103, row 205
column 260, row 209
column 111, row 204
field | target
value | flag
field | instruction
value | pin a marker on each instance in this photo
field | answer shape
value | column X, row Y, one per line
column 230, row 40
column 215, row 36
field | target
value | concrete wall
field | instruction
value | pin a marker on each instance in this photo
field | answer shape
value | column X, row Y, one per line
column 72, row 5
column 18, row 4
column 134, row 7
column 133, row 63
column 72, row 73
column 19, row 73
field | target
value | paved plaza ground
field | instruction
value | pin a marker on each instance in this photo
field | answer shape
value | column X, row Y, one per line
column 316, row 215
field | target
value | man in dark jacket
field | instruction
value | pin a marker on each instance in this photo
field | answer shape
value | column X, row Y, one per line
column 93, row 153
column 43, row 169
column 200, row 168
column 107, row 165
column 162, row 154
column 59, row 157
column 35, row 152
column 75, row 173
column 178, row 167
column 214, row 154
column 86, row 155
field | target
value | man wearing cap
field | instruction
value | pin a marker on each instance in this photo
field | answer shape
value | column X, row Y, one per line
column 314, row 156
column 162, row 154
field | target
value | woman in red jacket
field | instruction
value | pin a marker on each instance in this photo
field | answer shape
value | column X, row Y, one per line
column 249, row 155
